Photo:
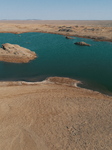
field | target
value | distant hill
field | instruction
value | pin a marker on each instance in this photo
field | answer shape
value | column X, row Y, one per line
column 20, row 19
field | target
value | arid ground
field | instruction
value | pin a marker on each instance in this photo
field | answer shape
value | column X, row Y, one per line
column 55, row 114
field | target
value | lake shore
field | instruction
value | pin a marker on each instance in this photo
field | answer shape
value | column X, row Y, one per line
column 96, row 30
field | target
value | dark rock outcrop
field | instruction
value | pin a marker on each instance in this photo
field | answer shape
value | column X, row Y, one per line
column 65, row 30
column 68, row 37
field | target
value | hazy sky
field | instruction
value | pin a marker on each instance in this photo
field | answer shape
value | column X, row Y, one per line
column 56, row 9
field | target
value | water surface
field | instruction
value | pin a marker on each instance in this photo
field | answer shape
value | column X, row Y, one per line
column 58, row 56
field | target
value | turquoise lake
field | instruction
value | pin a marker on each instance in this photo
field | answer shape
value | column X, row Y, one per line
column 58, row 56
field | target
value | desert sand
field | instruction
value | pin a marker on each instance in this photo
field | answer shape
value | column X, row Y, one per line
column 97, row 30
column 55, row 114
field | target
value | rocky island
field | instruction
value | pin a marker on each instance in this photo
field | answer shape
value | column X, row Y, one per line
column 16, row 54
column 82, row 44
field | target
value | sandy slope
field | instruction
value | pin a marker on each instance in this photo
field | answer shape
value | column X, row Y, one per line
column 54, row 117
column 97, row 30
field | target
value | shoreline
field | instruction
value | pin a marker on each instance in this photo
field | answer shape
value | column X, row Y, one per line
column 95, row 30
column 98, row 39
column 62, row 81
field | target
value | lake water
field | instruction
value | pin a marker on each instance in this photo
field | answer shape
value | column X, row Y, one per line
column 58, row 56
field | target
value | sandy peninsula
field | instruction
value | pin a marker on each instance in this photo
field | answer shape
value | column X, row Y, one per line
column 16, row 54
column 96, row 30
column 55, row 114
